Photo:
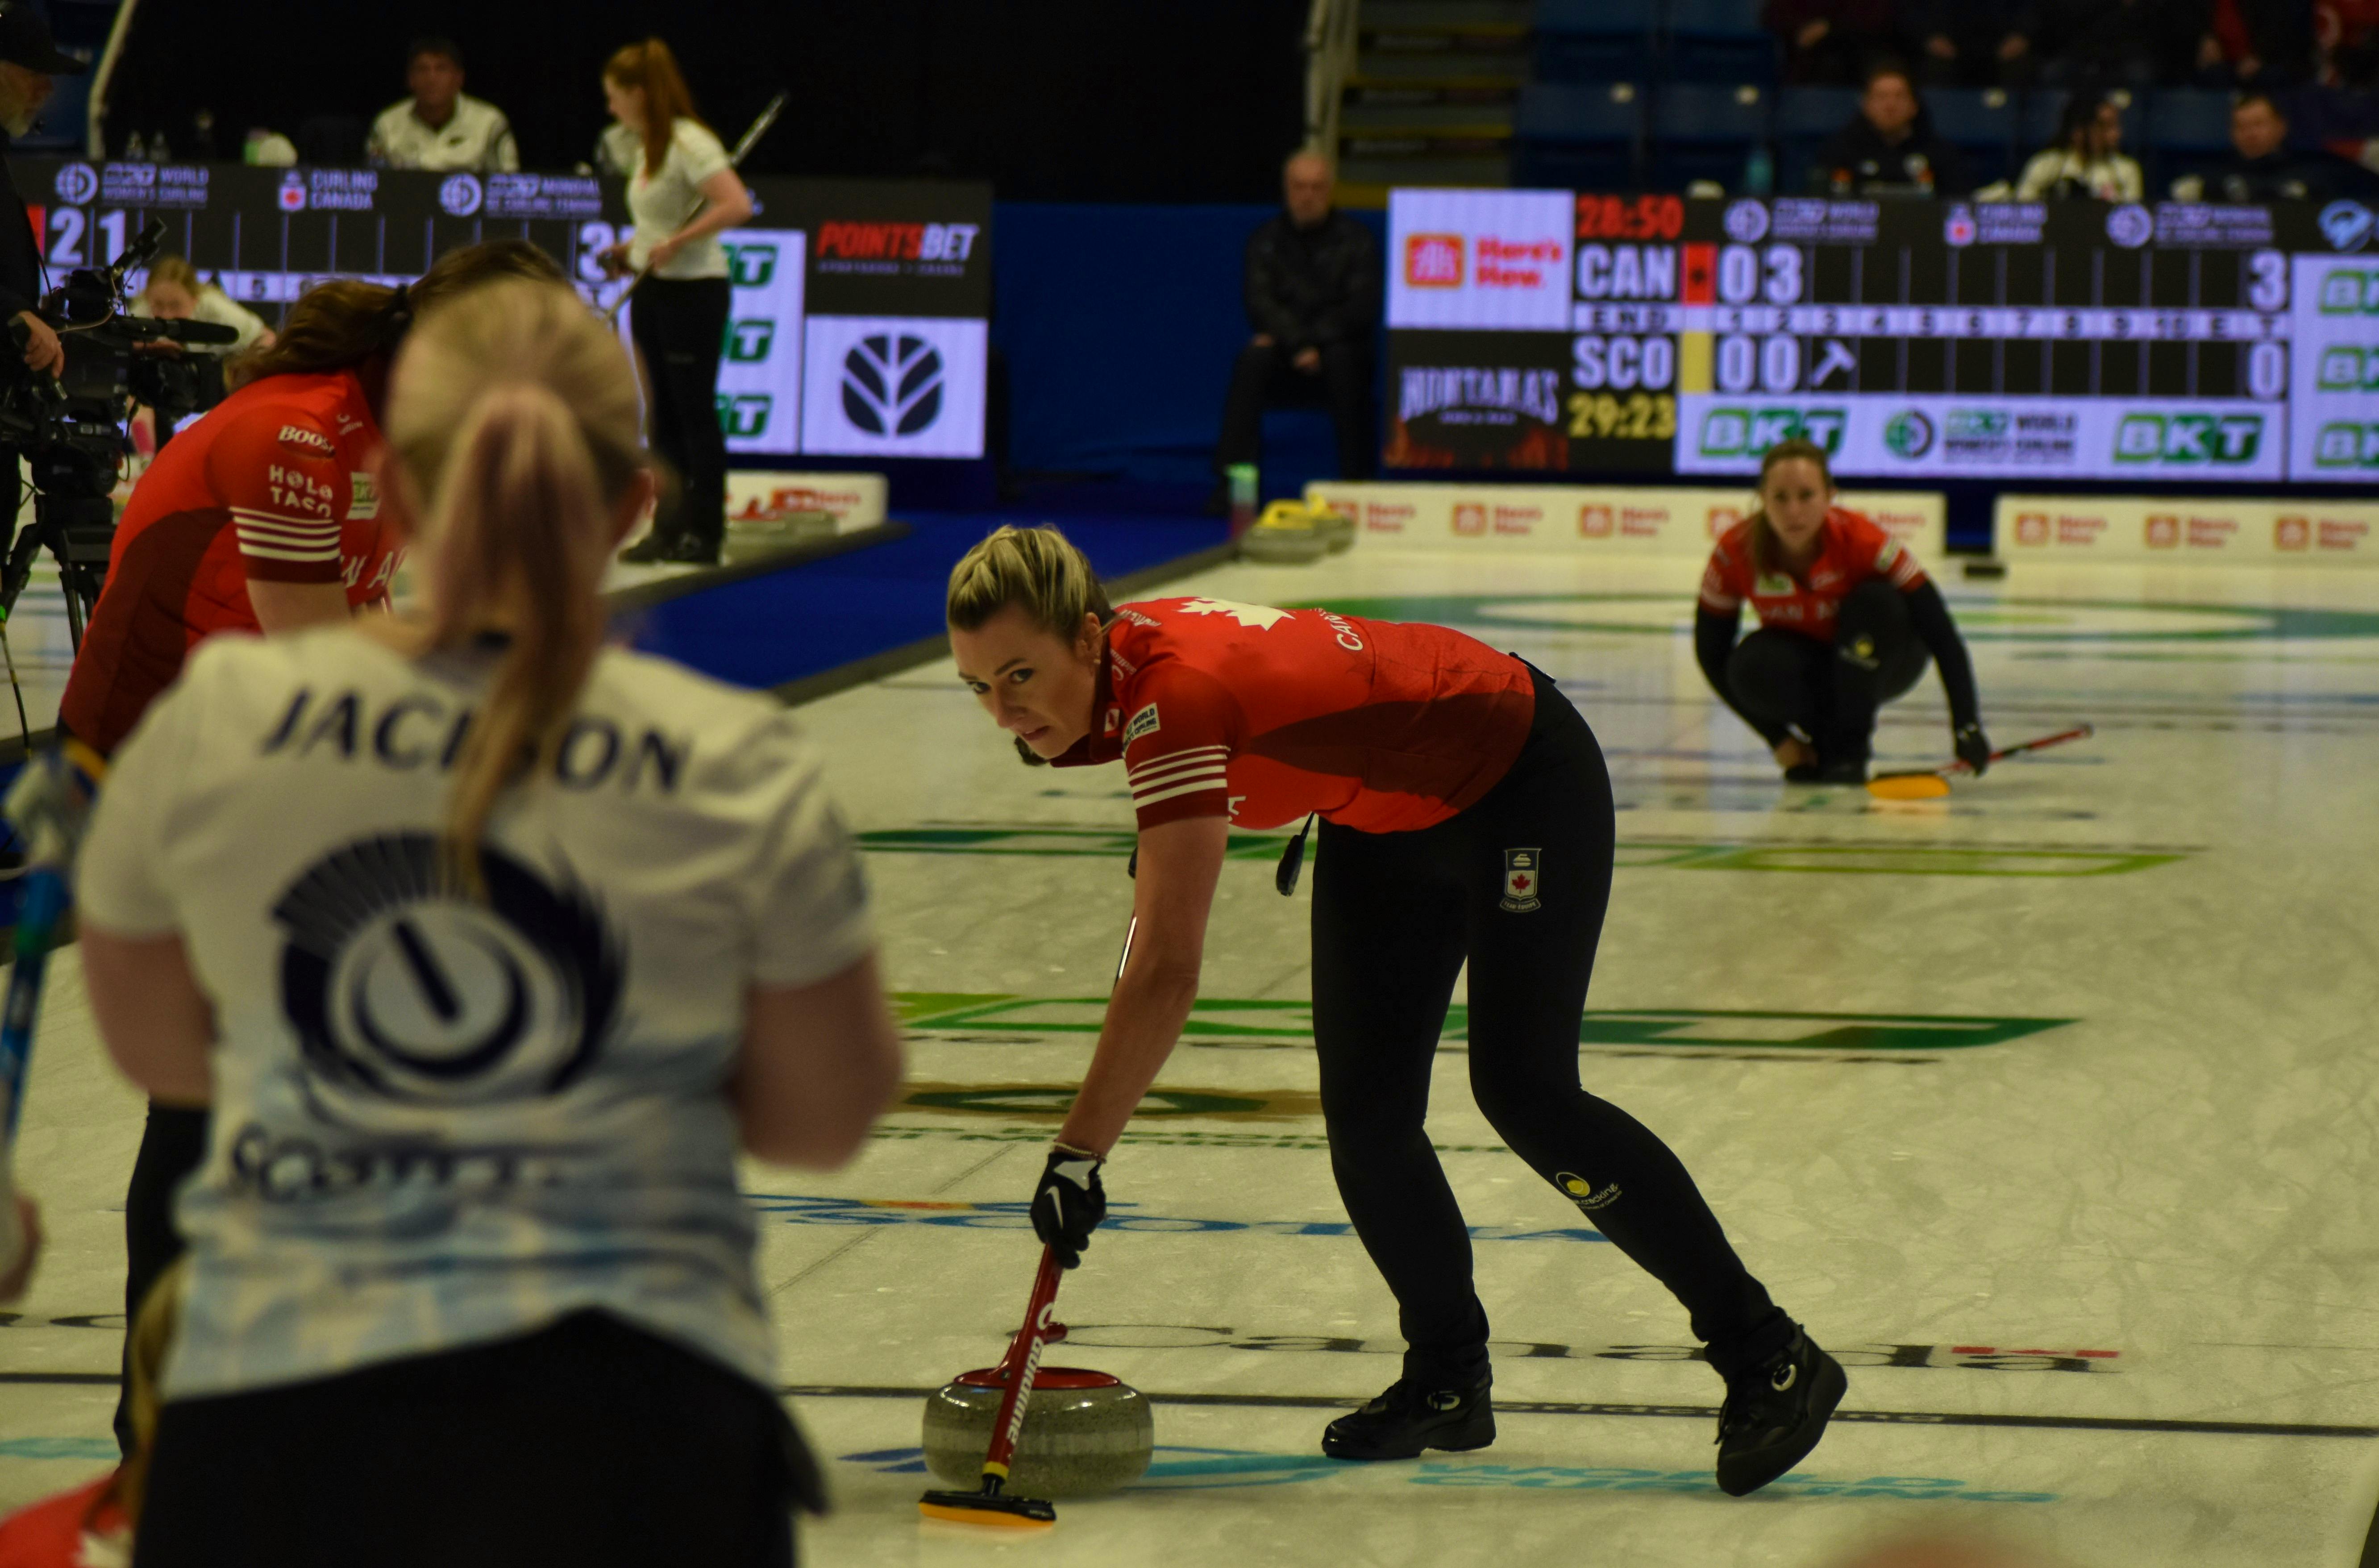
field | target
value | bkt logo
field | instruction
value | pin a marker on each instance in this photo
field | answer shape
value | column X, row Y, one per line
column 752, row 266
column 892, row 384
column 1430, row 260
column 2343, row 368
column 2192, row 438
column 748, row 342
column 2346, row 446
column 1747, row 432
column 745, row 414
column 2351, row 291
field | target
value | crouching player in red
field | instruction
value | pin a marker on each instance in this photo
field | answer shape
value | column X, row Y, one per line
column 1467, row 816
column 1846, row 617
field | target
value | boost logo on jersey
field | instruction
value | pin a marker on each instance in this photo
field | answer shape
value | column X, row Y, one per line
column 892, row 384
column 403, row 994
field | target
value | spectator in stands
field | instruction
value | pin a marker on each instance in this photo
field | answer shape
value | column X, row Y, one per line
column 1831, row 40
column 2261, row 167
column 1313, row 292
column 2346, row 34
column 1889, row 148
column 2085, row 161
column 1975, row 42
column 2263, row 43
column 440, row 127
column 2104, row 44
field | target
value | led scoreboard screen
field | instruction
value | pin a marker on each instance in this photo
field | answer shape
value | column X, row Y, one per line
column 1913, row 339
column 861, row 319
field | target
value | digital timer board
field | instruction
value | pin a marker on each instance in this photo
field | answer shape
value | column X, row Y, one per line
column 860, row 322
column 1913, row 339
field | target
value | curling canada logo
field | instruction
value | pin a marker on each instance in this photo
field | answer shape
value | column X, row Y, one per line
column 1521, row 868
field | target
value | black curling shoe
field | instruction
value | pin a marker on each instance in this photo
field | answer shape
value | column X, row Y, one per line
column 1409, row 1418
column 1775, row 1413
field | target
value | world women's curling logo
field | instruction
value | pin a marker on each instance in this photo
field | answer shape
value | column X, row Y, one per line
column 404, row 992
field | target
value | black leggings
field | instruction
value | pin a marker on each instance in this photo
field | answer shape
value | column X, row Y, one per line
column 678, row 324
column 173, row 1144
column 586, row 1444
column 1395, row 916
column 1831, row 692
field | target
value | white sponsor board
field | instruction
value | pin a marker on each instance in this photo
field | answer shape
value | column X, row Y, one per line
column 1487, row 259
column 856, row 500
column 1934, row 438
column 894, row 386
column 1590, row 519
column 760, row 360
column 2186, row 530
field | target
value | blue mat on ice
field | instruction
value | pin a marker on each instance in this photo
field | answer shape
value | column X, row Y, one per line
column 768, row 632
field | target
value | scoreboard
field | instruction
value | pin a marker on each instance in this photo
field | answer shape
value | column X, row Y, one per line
column 1915, row 339
column 860, row 324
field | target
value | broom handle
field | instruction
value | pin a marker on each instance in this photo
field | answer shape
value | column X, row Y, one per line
column 2079, row 732
column 1025, row 1353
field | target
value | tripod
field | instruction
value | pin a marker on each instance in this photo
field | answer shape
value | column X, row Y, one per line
column 73, row 519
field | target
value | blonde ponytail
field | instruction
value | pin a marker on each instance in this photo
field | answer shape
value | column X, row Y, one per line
column 514, row 412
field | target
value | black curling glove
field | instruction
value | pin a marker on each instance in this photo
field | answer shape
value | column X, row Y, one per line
column 1070, row 1202
column 1974, row 747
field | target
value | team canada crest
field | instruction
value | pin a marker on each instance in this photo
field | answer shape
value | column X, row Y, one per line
column 1520, row 875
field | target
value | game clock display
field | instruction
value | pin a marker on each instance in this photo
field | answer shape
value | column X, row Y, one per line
column 1912, row 339
column 860, row 322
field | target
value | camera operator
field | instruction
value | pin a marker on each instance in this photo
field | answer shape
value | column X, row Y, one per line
column 260, row 517
column 29, row 58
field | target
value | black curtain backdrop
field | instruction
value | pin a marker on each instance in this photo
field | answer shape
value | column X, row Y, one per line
column 1160, row 101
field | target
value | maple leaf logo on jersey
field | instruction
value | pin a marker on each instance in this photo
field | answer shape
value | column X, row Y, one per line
column 1255, row 617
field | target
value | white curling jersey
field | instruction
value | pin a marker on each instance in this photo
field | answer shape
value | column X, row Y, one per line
column 440, row 1122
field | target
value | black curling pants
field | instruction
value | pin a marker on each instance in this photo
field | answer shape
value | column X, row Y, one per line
column 679, row 324
column 173, row 1144
column 1265, row 375
column 1394, row 917
column 1831, row 692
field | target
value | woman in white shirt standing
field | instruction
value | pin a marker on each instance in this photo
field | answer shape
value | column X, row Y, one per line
column 2086, row 161
column 491, row 946
column 682, row 193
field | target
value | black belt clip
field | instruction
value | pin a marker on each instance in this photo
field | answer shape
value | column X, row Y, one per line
column 1292, row 861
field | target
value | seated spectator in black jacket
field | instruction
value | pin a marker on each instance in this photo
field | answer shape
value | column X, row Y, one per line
column 1830, row 41
column 1975, row 42
column 2261, row 167
column 2109, row 43
column 1313, row 299
column 1889, row 148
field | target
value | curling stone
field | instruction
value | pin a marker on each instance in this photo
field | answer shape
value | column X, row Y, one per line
column 750, row 539
column 1336, row 527
column 1084, row 1432
column 1285, row 535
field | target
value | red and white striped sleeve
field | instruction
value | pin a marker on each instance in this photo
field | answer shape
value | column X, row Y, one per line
column 1179, row 733
column 1892, row 558
column 279, row 474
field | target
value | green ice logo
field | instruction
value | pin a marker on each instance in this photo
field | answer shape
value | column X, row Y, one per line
column 1747, row 432
column 748, row 342
column 2346, row 446
column 744, row 415
column 752, row 265
column 2351, row 291
column 2343, row 368
column 2189, row 439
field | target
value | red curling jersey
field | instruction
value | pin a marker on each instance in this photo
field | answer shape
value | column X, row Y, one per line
column 1262, row 715
column 271, row 485
column 1853, row 550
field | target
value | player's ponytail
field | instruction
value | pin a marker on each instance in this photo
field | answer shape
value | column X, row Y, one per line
column 1038, row 568
column 1764, row 554
column 513, row 415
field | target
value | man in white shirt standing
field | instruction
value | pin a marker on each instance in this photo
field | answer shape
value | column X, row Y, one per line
column 439, row 126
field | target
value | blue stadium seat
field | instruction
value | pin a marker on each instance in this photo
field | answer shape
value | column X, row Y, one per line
column 2043, row 109
column 2188, row 133
column 1806, row 118
column 1590, row 41
column 1701, row 132
column 1719, row 41
column 1579, row 138
column 1980, row 123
